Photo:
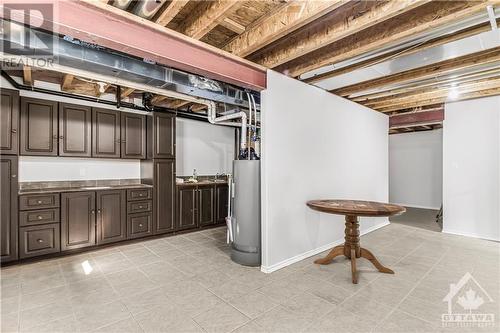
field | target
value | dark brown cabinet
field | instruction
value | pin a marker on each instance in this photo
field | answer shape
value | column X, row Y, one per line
column 139, row 225
column 75, row 128
column 111, row 216
column 77, row 220
column 206, row 205
column 105, row 133
column 38, row 127
column 163, row 135
column 186, row 207
column 8, row 208
column 164, row 196
column 39, row 240
column 221, row 200
column 9, row 120
column 133, row 135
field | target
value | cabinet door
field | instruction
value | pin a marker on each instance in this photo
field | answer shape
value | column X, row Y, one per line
column 206, row 205
column 111, row 216
column 77, row 220
column 8, row 208
column 164, row 135
column 75, row 123
column 105, row 133
column 133, row 135
column 164, row 185
column 186, row 207
column 221, row 196
column 9, row 120
column 38, row 127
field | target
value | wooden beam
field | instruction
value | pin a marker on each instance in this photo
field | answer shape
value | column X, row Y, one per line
column 277, row 24
column 433, row 83
column 198, row 107
column 433, row 92
column 206, row 16
column 173, row 8
column 349, row 20
column 126, row 92
column 233, row 25
column 461, row 97
column 27, row 76
column 413, row 118
column 121, row 31
column 66, row 82
column 470, row 31
column 177, row 104
column 391, row 32
column 459, row 63
column 158, row 98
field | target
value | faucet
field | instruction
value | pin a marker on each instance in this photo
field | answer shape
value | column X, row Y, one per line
column 195, row 176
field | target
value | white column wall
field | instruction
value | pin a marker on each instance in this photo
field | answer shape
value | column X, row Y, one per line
column 471, row 168
column 315, row 145
column 416, row 169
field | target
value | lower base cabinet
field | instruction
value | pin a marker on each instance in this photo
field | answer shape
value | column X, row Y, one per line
column 139, row 225
column 8, row 209
column 39, row 240
column 83, row 225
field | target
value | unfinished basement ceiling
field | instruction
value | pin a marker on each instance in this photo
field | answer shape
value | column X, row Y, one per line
column 387, row 55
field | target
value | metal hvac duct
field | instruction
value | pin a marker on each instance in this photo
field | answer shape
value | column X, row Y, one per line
column 147, row 9
column 73, row 53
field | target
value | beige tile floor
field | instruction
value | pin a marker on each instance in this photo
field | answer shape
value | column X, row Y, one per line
column 188, row 284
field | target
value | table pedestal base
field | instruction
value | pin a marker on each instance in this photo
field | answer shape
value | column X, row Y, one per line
column 352, row 250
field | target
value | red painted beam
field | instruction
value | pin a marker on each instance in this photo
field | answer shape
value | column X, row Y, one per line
column 116, row 29
column 416, row 118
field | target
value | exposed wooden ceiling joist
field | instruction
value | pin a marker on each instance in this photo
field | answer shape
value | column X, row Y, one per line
column 233, row 25
column 426, row 18
column 168, row 14
column 66, row 82
column 285, row 20
column 206, row 16
column 471, row 31
column 432, row 101
column 446, row 66
column 27, row 76
column 126, row 92
column 433, row 92
column 349, row 20
column 177, row 104
column 157, row 99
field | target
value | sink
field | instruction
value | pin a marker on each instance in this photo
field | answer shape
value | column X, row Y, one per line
column 218, row 180
column 96, row 188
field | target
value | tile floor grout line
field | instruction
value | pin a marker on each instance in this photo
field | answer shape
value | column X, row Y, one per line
column 414, row 287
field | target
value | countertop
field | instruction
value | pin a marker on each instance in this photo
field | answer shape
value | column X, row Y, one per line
column 203, row 182
column 82, row 188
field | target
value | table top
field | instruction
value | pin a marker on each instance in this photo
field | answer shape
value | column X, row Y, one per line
column 356, row 207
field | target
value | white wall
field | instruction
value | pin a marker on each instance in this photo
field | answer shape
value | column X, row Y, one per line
column 40, row 168
column 416, row 169
column 471, row 168
column 315, row 145
column 205, row 147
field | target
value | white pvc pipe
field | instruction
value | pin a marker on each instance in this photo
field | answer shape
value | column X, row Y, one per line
column 212, row 118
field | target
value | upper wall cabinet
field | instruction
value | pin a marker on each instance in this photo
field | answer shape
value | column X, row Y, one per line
column 38, row 127
column 133, row 135
column 164, row 135
column 105, row 133
column 75, row 128
column 9, row 120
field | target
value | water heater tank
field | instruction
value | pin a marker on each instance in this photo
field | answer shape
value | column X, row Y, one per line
column 246, row 245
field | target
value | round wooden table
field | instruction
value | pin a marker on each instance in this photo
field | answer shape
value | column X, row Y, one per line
column 351, row 248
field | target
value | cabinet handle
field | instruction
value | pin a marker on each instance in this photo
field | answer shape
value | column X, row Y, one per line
column 39, row 202
column 14, row 130
column 39, row 217
column 98, row 211
column 140, row 207
column 141, row 194
column 140, row 225
column 14, row 176
column 39, row 240
column 61, row 137
column 92, row 211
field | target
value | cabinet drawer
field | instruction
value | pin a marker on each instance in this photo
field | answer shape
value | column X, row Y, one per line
column 139, row 206
column 35, row 217
column 38, row 240
column 139, row 225
column 139, row 194
column 38, row 201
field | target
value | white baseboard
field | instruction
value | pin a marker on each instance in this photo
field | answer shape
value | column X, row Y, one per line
column 310, row 253
column 473, row 235
column 416, row 206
